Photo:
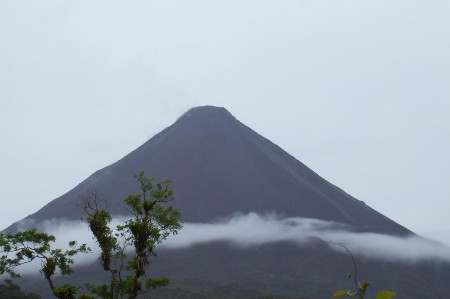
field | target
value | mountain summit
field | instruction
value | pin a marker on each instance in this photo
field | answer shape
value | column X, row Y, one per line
column 220, row 167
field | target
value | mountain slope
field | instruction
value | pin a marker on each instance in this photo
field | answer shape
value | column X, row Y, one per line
column 221, row 167
column 282, row 268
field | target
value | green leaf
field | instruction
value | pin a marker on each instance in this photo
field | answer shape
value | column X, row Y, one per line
column 385, row 295
column 154, row 283
column 340, row 293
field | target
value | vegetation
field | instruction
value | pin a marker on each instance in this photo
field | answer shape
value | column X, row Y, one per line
column 151, row 222
column 27, row 246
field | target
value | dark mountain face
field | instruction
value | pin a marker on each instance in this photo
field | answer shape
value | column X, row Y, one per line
column 220, row 167
column 275, row 270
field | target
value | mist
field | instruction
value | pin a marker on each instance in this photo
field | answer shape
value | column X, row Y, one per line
column 250, row 230
column 253, row 230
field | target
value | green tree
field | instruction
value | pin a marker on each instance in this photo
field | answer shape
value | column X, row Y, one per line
column 24, row 247
column 125, row 250
column 152, row 221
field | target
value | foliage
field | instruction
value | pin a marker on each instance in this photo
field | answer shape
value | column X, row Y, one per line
column 66, row 291
column 151, row 223
column 361, row 287
column 24, row 247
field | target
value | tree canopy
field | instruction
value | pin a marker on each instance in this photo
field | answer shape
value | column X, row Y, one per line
column 125, row 250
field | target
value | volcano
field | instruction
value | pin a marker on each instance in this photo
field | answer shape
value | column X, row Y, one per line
column 220, row 168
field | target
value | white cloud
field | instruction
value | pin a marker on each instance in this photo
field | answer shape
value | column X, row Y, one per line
column 253, row 230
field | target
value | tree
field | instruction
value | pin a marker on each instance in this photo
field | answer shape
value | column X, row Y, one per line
column 151, row 223
column 125, row 250
column 25, row 247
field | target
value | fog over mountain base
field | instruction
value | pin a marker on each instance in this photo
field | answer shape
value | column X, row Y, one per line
column 252, row 229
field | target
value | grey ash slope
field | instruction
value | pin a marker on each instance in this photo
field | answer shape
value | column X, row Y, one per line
column 220, row 167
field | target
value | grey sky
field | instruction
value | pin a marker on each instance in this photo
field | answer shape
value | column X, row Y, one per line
column 357, row 90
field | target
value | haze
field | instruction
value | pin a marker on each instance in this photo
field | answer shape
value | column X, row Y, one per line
column 254, row 229
column 357, row 90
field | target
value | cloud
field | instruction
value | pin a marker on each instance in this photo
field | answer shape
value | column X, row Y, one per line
column 247, row 230
column 250, row 230
column 253, row 229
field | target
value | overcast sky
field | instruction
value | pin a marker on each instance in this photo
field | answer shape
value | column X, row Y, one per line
column 357, row 90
